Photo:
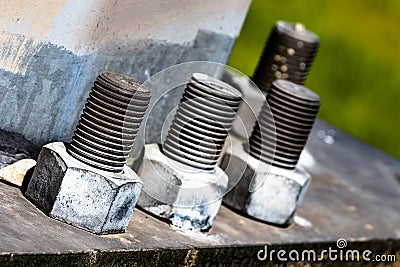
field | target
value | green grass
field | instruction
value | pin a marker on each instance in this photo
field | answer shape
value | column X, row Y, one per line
column 357, row 69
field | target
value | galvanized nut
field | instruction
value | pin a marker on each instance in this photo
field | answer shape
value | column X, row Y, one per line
column 87, row 184
column 275, row 181
column 183, row 182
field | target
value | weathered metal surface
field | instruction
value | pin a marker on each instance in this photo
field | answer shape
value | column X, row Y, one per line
column 260, row 190
column 188, row 198
column 183, row 182
column 110, row 122
column 354, row 194
column 270, row 182
column 67, row 190
column 202, row 121
column 288, row 54
column 284, row 124
column 51, row 52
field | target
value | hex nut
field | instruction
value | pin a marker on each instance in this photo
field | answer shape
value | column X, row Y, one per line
column 263, row 191
column 70, row 191
column 188, row 198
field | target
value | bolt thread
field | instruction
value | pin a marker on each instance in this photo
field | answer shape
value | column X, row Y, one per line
column 110, row 122
column 294, row 109
column 288, row 54
column 202, row 121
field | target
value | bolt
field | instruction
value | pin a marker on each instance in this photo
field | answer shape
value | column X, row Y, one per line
column 88, row 184
column 294, row 43
column 202, row 121
column 183, row 182
column 110, row 122
column 294, row 109
column 272, row 186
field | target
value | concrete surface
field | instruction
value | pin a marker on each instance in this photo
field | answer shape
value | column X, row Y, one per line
column 354, row 194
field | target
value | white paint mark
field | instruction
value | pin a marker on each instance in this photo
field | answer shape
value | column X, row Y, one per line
column 147, row 73
column 328, row 136
column 302, row 222
column 199, row 236
column 307, row 159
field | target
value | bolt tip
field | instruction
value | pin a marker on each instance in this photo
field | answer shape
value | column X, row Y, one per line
column 122, row 82
column 299, row 27
column 217, row 86
column 297, row 90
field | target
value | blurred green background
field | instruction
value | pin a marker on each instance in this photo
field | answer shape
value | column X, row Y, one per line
column 357, row 69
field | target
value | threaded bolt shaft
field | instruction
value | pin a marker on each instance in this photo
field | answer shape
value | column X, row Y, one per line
column 294, row 109
column 288, row 54
column 202, row 121
column 110, row 122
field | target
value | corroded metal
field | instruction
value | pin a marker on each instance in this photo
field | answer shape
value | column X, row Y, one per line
column 182, row 182
column 294, row 109
column 288, row 54
column 273, row 185
column 202, row 121
column 87, row 183
column 110, row 122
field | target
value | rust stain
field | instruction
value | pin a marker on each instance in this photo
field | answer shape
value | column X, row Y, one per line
column 191, row 256
column 369, row 226
column 120, row 238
